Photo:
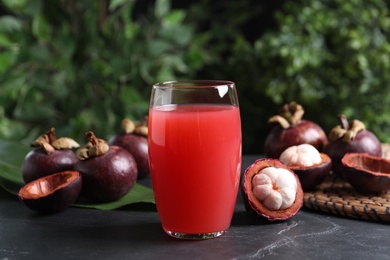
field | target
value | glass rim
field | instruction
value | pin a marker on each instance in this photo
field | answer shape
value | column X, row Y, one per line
column 193, row 83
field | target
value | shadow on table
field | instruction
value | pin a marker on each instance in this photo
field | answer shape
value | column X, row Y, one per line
column 243, row 218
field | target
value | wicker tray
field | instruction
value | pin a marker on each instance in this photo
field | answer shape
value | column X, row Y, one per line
column 337, row 197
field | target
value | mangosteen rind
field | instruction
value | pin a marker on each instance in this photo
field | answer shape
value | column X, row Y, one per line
column 137, row 146
column 53, row 193
column 38, row 163
column 280, row 139
column 312, row 176
column 366, row 173
column 364, row 142
column 253, row 205
column 108, row 177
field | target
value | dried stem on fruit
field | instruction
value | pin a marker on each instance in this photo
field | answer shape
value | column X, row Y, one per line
column 279, row 120
column 289, row 114
column 129, row 127
column 49, row 142
column 356, row 127
column 346, row 131
column 95, row 147
column 65, row 143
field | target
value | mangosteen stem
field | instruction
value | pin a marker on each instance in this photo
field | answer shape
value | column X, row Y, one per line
column 355, row 127
column 289, row 114
column 297, row 116
column 128, row 126
column 347, row 131
column 92, row 138
column 45, row 141
column 283, row 122
column 96, row 147
column 293, row 112
column 344, row 122
column 51, row 134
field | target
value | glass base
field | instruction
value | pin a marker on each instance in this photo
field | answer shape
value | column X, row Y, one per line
column 195, row 236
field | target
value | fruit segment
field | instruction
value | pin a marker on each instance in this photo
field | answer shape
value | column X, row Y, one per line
column 275, row 188
column 271, row 190
column 300, row 155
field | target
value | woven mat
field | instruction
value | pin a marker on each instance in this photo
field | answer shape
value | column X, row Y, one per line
column 335, row 196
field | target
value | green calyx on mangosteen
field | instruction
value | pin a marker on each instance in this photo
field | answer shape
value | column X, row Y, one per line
column 109, row 172
column 50, row 155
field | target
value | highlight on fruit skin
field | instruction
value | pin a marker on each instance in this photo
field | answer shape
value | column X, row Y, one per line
column 271, row 190
column 53, row 193
column 311, row 166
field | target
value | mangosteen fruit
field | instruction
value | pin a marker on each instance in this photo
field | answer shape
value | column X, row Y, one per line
column 290, row 129
column 271, row 190
column 133, row 138
column 50, row 155
column 350, row 137
column 308, row 163
column 109, row 172
column 53, row 193
column 366, row 173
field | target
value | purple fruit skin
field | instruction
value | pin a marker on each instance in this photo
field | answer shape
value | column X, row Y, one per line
column 137, row 146
column 38, row 163
column 57, row 201
column 280, row 139
column 108, row 177
column 364, row 142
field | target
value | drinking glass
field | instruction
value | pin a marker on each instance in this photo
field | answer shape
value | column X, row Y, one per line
column 195, row 156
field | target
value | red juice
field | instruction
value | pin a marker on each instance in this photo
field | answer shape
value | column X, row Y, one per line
column 195, row 163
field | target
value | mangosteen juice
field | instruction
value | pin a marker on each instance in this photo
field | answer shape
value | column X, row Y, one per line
column 195, row 163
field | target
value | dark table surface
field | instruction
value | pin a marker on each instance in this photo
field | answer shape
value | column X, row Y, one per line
column 135, row 233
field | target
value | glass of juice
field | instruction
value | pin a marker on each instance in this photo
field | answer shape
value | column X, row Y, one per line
column 195, row 156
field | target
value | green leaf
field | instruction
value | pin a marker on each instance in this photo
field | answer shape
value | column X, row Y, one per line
column 162, row 8
column 116, row 3
column 129, row 95
column 11, row 158
column 10, row 23
column 5, row 41
column 175, row 17
column 33, row 7
column 41, row 28
column 6, row 59
column 14, row 4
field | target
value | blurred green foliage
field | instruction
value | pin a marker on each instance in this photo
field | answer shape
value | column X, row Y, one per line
column 85, row 65
column 331, row 56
